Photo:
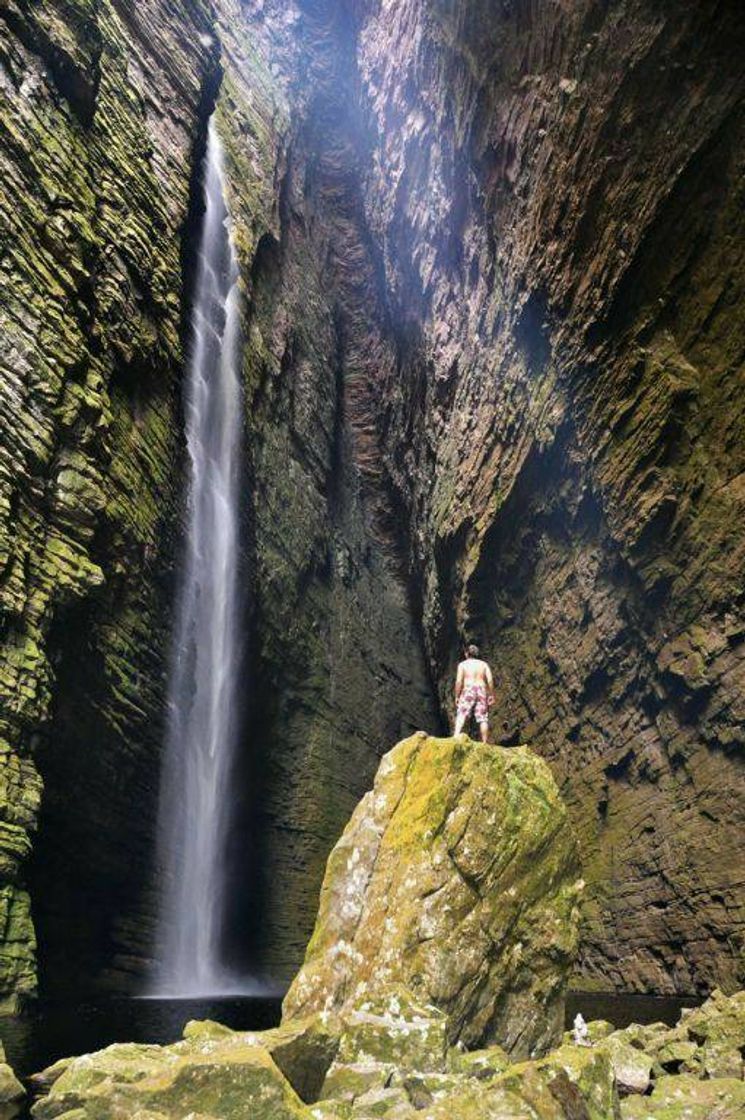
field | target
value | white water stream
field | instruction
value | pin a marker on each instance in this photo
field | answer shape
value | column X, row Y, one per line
column 202, row 693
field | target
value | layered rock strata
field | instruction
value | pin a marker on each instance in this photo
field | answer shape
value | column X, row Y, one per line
column 555, row 197
column 335, row 654
column 101, row 108
column 530, row 226
column 493, row 276
column 106, row 109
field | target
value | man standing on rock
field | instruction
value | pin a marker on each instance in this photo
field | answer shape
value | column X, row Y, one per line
column 474, row 692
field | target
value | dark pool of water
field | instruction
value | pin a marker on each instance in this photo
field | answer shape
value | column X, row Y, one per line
column 625, row 1008
column 52, row 1030
column 49, row 1031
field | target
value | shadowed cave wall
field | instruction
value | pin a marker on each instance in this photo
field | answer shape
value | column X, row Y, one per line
column 492, row 258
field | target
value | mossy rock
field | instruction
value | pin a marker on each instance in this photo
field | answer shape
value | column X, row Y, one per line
column 685, row 1097
column 12, row 1093
column 632, row 1067
column 392, row 1028
column 351, row 1080
column 573, row 1074
column 383, row 1104
column 225, row 1078
column 458, row 878
column 481, row 1064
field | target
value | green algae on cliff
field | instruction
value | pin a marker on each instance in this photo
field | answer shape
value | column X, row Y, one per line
column 95, row 192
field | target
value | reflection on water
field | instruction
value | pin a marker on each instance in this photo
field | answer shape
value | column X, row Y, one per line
column 55, row 1030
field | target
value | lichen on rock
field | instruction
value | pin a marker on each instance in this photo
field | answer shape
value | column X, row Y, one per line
column 457, row 877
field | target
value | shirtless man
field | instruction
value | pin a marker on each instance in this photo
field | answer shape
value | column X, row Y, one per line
column 474, row 692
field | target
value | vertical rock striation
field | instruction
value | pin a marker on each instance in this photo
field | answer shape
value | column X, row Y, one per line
column 336, row 659
column 101, row 107
column 106, row 108
column 556, row 194
column 493, row 272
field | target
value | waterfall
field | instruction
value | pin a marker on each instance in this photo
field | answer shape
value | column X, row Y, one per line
column 202, row 693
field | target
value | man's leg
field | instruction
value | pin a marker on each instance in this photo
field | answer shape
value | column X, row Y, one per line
column 460, row 719
column 484, row 732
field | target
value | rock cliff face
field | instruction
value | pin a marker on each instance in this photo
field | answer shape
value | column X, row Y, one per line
column 106, row 107
column 556, row 195
column 101, row 108
column 337, row 664
column 493, row 271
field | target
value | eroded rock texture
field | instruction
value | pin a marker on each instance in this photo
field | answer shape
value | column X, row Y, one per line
column 493, row 270
column 556, row 195
column 457, row 878
column 337, row 663
column 106, row 109
column 533, row 229
column 101, row 107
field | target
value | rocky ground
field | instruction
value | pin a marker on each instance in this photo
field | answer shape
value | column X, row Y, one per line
column 388, row 1057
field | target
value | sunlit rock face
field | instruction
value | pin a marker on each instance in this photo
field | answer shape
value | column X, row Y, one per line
column 553, row 193
column 458, row 879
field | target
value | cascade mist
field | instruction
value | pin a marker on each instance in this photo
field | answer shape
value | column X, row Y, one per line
column 202, row 700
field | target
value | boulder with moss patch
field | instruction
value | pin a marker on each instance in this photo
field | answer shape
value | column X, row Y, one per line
column 211, row 1077
column 458, row 878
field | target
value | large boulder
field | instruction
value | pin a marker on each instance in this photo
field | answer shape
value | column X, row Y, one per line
column 225, row 1076
column 458, row 878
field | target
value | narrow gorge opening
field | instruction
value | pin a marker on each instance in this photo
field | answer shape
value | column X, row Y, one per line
column 439, row 342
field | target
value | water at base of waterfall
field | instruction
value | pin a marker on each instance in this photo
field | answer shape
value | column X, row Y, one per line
column 195, row 798
column 53, row 1029
column 59, row 1028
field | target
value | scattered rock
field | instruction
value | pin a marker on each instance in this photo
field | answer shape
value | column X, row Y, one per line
column 683, row 1097
column 209, row 1078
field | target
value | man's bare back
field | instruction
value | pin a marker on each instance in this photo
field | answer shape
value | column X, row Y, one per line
column 474, row 692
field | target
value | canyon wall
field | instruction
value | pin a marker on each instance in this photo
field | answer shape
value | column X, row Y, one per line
column 556, row 192
column 336, row 666
column 101, row 106
column 492, row 271
column 106, row 108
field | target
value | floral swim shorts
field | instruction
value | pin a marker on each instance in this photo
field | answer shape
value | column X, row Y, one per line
column 474, row 699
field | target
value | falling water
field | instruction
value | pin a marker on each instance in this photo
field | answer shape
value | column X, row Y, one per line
column 202, row 699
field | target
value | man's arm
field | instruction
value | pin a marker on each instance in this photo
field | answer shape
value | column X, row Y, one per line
column 459, row 683
column 490, row 683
